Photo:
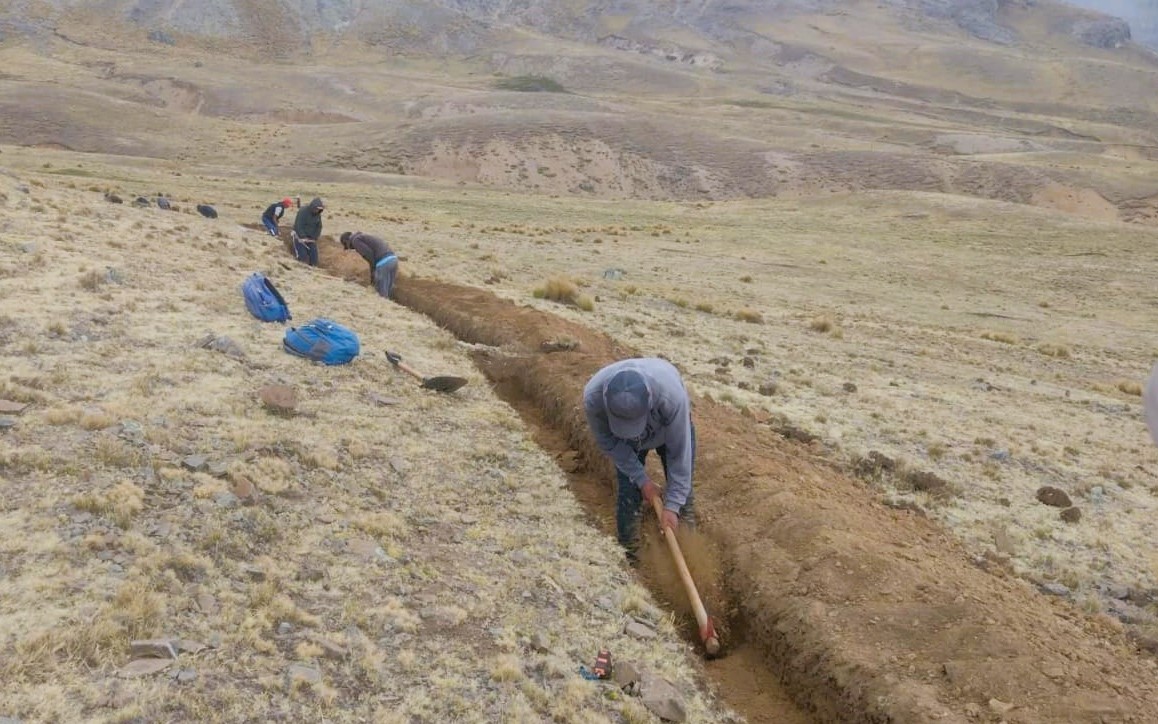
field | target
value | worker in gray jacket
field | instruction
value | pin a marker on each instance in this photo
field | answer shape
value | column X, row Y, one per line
column 634, row 406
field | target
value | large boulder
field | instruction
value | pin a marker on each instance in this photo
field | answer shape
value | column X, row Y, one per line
column 1104, row 32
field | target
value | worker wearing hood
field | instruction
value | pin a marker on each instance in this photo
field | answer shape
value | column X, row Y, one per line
column 307, row 231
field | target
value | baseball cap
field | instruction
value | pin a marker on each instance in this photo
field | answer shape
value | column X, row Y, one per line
column 628, row 401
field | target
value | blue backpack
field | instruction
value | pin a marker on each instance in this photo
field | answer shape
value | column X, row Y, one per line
column 263, row 300
column 322, row 340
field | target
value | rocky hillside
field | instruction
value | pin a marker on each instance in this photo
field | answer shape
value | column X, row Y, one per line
column 466, row 26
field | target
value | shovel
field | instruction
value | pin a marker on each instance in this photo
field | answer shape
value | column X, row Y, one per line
column 707, row 629
column 445, row 383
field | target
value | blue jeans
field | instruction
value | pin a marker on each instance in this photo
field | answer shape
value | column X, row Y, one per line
column 306, row 251
column 629, row 501
column 384, row 273
column 270, row 225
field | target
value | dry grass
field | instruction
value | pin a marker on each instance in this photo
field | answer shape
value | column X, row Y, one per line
column 1054, row 350
column 148, row 547
column 1002, row 337
column 564, row 291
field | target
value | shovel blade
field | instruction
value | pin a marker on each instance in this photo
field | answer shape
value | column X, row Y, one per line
column 446, row 383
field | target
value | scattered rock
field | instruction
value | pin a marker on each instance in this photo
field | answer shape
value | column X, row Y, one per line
column 311, row 573
column 279, row 399
column 1055, row 589
column 849, row 387
column 253, row 572
column 7, row 423
column 874, row 464
column 144, row 667
column 196, row 463
column 768, row 388
column 285, row 628
column 1072, row 515
column 539, row 643
column 625, row 674
column 639, row 630
column 1054, row 671
column 999, row 456
column 1102, row 32
column 1052, row 496
column 160, row 36
column 207, row 211
column 28, row 248
column 383, row 400
column 227, row 500
column 1000, row 707
column 662, row 699
column 748, row 362
column 225, row 345
column 141, row 202
column 614, row 274
column 206, row 603
column 559, row 345
column 113, row 199
column 189, row 646
column 163, row 203
column 331, row 650
column 245, row 490
column 300, row 673
column 926, row 482
column 1004, row 542
column 217, row 468
column 185, row 676
column 152, row 649
column 8, row 407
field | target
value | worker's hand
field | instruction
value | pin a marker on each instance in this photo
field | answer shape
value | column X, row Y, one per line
column 650, row 491
column 669, row 519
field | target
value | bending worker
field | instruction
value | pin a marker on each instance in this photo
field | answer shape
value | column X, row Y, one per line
column 382, row 259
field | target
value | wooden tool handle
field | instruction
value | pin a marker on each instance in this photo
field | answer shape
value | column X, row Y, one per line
column 396, row 360
column 707, row 630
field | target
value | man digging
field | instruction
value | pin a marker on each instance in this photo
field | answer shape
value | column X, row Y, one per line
column 634, row 406
column 378, row 254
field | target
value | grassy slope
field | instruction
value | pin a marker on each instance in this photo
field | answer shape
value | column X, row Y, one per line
column 429, row 541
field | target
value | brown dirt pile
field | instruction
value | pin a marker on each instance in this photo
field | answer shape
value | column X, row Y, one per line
column 868, row 613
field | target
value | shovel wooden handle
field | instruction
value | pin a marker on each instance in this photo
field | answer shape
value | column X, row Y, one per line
column 396, row 360
column 707, row 630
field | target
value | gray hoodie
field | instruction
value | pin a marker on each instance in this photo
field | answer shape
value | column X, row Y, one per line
column 669, row 423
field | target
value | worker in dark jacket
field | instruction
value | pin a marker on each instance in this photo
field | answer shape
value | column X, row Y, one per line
column 273, row 213
column 307, row 230
column 382, row 259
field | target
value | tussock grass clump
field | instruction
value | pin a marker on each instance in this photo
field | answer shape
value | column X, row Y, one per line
column 1130, row 387
column 121, row 502
column 530, row 84
column 751, row 316
column 1002, row 337
column 1054, row 350
column 564, row 291
column 822, row 323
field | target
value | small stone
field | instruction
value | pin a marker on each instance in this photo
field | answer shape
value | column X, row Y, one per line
column 1004, row 542
column 1055, row 589
column 748, row 362
column 384, row 400
column 152, row 649
column 639, row 630
column 144, row 667
column 206, row 603
column 227, row 500
column 399, row 465
column 7, row 423
column 625, row 674
column 279, row 399
column 1072, row 515
column 311, row 573
column 330, row 649
column 999, row 456
column 196, row 463
column 662, row 699
column 285, row 628
column 245, row 490
column 188, row 646
column 8, row 407
column 185, row 676
column 1054, row 671
column 28, row 248
column 217, row 468
column 214, row 640
column 1052, row 496
column 605, row 603
column 539, row 643
column 849, row 387
column 1000, row 707
column 253, row 572
column 304, row 674
column 767, row 389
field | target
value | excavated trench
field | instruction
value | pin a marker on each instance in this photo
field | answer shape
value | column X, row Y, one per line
column 836, row 608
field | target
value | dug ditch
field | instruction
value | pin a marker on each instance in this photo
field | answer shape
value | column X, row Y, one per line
column 841, row 609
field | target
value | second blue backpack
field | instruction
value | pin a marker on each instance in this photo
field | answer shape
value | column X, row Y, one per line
column 322, row 340
column 263, row 300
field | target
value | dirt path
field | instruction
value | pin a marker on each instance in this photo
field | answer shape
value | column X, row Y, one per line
column 867, row 614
